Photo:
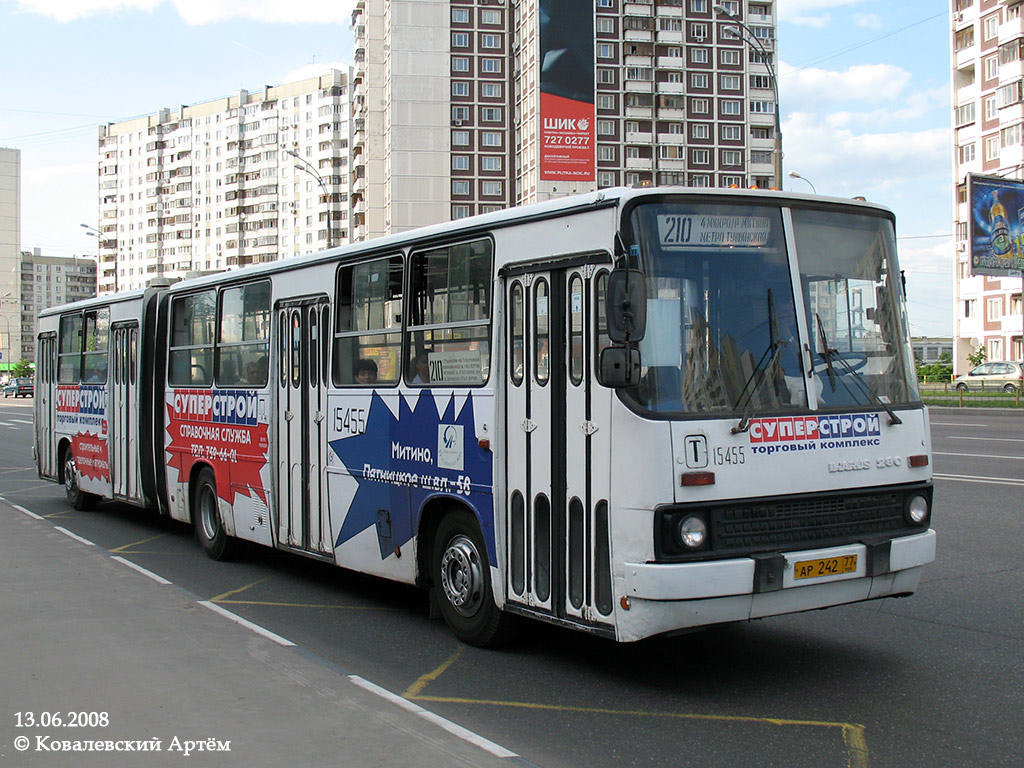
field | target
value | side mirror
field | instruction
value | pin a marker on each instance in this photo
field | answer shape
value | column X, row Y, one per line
column 627, row 305
column 619, row 367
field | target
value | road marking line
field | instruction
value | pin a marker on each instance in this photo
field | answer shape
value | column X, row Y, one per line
column 414, row 690
column 980, row 479
column 219, row 598
column 74, row 536
column 22, row 421
column 140, row 569
column 302, row 605
column 124, row 547
column 979, row 455
column 991, row 439
column 247, row 624
column 955, row 424
column 448, row 725
column 22, row 509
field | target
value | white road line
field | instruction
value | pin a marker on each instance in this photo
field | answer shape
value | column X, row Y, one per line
column 21, row 509
column 246, row 623
column 456, row 730
column 22, row 421
column 979, row 455
column 955, row 424
column 74, row 536
column 979, row 479
column 140, row 569
column 990, row 439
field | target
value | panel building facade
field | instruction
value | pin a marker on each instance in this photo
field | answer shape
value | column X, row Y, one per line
column 447, row 103
column 988, row 73
column 243, row 179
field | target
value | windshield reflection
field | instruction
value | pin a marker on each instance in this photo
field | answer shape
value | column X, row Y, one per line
column 722, row 328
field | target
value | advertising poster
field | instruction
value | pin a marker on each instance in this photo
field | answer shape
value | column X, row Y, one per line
column 997, row 225
column 567, row 90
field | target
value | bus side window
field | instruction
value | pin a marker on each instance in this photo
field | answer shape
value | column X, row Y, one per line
column 449, row 332
column 368, row 323
column 69, row 351
column 191, row 355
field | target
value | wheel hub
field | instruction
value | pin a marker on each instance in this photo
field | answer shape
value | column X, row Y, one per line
column 462, row 578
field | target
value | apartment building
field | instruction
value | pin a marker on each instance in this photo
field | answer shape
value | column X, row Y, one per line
column 49, row 281
column 988, row 104
column 10, row 245
column 449, row 98
column 243, row 179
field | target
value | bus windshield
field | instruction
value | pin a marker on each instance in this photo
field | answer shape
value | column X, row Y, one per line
column 722, row 315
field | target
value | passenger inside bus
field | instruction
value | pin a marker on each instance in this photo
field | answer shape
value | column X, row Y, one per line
column 421, row 366
column 366, row 372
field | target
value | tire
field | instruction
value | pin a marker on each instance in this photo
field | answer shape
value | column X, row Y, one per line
column 1011, row 388
column 462, row 583
column 961, row 387
column 206, row 519
column 77, row 498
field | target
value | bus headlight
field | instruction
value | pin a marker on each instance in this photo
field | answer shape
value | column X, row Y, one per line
column 692, row 532
column 917, row 510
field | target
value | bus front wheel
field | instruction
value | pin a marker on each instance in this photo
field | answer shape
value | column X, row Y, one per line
column 77, row 498
column 206, row 519
column 462, row 582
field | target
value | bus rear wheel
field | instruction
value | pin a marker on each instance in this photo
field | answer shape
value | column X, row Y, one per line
column 462, row 582
column 77, row 498
column 206, row 518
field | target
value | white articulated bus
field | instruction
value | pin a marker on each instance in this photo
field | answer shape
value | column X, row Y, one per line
column 630, row 412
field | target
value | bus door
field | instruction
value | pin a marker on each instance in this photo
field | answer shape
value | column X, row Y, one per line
column 558, row 444
column 45, row 404
column 302, row 518
column 123, row 437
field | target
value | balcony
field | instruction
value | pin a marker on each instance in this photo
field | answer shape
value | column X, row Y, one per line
column 1011, row 30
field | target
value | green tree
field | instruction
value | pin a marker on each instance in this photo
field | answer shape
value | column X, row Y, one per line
column 23, row 369
column 977, row 357
column 940, row 370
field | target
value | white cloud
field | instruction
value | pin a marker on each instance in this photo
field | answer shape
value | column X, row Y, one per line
column 788, row 8
column 867, row 82
column 198, row 12
column 815, row 22
column 313, row 70
column 868, row 20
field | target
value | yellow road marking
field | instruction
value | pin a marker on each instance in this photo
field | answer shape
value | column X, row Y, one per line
column 853, row 733
column 124, row 547
column 230, row 592
column 299, row 605
column 413, row 690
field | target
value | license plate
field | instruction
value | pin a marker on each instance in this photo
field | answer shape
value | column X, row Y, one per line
column 825, row 566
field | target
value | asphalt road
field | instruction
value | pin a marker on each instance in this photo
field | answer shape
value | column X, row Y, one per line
column 934, row 680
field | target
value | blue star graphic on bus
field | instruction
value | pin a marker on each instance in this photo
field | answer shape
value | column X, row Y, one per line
column 399, row 464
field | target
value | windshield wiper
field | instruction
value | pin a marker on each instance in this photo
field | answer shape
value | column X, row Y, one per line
column 828, row 353
column 775, row 347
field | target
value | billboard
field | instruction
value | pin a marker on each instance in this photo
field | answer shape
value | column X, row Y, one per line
column 996, row 226
column 567, row 90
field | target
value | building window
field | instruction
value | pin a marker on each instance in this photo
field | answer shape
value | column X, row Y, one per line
column 965, row 114
column 606, row 76
column 699, row 106
column 732, row 157
column 460, row 113
column 732, row 181
column 460, row 187
column 698, row 32
column 490, row 90
column 969, row 307
column 700, row 180
column 490, row 16
column 605, row 101
column 729, row 57
column 605, row 127
column 991, row 67
column 490, row 163
column 460, row 162
column 490, row 139
column 491, row 188
column 490, row 41
column 606, row 153
column 606, row 25
column 460, row 88
column 699, row 81
column 700, row 156
column 698, row 55
column 992, row 148
column 460, row 15
column 991, row 25
column 671, row 152
column 460, row 64
column 967, row 153
column 732, row 133
column 490, row 66
column 490, row 114
column 994, row 309
column 731, row 82
column 605, row 51
column 731, row 107
column 699, row 131
column 762, row 107
column 460, row 138
column 460, row 39
column 1010, row 136
column 460, row 211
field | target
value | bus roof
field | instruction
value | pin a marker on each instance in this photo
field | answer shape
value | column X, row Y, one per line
column 611, row 197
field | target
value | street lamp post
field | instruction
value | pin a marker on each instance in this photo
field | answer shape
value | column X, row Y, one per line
column 308, row 168
column 795, row 175
column 751, row 39
column 93, row 232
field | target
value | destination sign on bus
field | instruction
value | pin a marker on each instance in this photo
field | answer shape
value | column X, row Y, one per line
column 706, row 231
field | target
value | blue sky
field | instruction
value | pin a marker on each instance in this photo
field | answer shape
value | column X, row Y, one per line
column 864, row 87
